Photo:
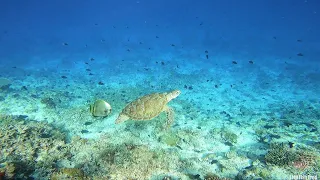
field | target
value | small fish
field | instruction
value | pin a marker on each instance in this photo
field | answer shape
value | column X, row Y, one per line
column 157, row 37
column 162, row 63
column 84, row 131
column 206, row 51
column 64, row 77
column 291, row 144
column 87, row 123
column 100, row 83
column 173, row 45
column 100, row 108
column 251, row 62
column 234, row 62
column 90, row 74
column 65, row 44
column 128, row 50
column 207, row 56
column 91, row 59
column 299, row 54
column 299, row 40
column 88, row 69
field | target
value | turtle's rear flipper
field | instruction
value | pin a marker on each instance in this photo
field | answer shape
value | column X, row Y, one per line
column 170, row 116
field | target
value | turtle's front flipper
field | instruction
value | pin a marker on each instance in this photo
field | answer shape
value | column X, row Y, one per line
column 170, row 116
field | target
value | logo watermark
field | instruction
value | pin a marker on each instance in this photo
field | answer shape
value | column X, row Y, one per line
column 303, row 177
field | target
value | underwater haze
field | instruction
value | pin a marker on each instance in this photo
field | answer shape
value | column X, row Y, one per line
column 160, row 90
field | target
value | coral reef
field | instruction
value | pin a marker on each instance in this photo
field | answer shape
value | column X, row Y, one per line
column 121, row 161
column 49, row 102
column 229, row 137
column 171, row 139
column 211, row 176
column 280, row 154
column 301, row 159
column 30, row 147
column 4, row 83
column 68, row 173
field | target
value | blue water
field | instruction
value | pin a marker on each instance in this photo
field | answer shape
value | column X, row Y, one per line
column 248, row 68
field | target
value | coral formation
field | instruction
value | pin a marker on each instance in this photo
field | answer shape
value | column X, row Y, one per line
column 4, row 83
column 229, row 137
column 30, row 147
column 211, row 176
column 171, row 139
column 49, row 102
column 280, row 154
column 300, row 159
column 68, row 173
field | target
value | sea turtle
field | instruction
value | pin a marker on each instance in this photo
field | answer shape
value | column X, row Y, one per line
column 100, row 108
column 148, row 107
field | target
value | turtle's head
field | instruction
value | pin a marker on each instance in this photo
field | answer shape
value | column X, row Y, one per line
column 173, row 94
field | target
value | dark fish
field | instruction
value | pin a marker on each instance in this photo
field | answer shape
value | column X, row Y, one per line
column 90, row 74
column 91, row 59
column 64, row 77
column 299, row 54
column 87, row 123
column 291, row 144
column 234, row 62
column 299, row 40
column 173, row 45
column 84, row 131
column 65, row 44
column 157, row 36
column 206, row 51
column 251, row 62
column 162, row 63
column 100, row 83
column 207, row 56
column 216, row 86
column 88, row 69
